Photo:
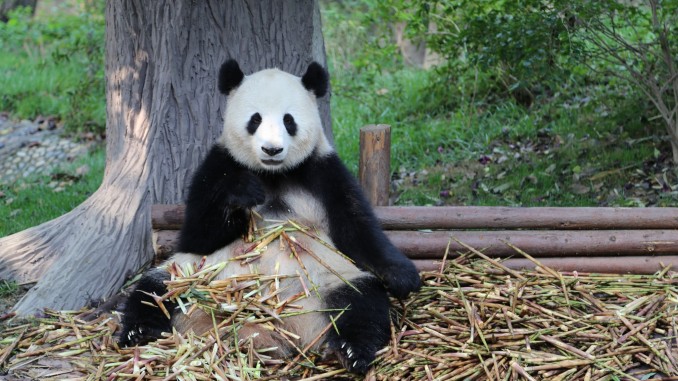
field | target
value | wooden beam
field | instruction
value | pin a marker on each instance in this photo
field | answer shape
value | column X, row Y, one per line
column 632, row 264
column 374, row 169
column 489, row 217
column 540, row 243
column 497, row 217
column 605, row 265
column 555, row 243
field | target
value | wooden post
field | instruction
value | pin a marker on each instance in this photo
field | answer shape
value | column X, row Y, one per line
column 374, row 170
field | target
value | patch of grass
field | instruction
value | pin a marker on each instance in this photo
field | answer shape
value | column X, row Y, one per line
column 8, row 288
column 31, row 87
column 34, row 200
column 53, row 65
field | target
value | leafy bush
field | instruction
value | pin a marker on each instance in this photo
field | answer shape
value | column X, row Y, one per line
column 636, row 43
column 533, row 49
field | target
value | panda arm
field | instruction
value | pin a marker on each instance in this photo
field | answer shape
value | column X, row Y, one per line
column 218, row 206
column 354, row 228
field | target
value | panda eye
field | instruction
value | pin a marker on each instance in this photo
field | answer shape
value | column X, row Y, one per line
column 290, row 124
column 253, row 124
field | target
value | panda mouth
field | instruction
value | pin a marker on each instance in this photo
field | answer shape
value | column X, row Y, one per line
column 272, row 162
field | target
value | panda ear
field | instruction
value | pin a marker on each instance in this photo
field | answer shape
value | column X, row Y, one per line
column 315, row 79
column 230, row 76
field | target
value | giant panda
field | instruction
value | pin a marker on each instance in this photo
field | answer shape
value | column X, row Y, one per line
column 274, row 159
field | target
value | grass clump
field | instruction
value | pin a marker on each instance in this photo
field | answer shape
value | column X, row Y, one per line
column 37, row 199
column 8, row 288
column 52, row 64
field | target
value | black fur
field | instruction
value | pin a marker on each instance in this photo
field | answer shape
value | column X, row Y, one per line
column 223, row 191
column 219, row 202
column 230, row 76
column 290, row 124
column 217, row 213
column 353, row 227
column 364, row 325
column 143, row 322
column 316, row 79
column 254, row 123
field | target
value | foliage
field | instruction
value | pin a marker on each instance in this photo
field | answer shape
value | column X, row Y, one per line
column 458, row 139
column 636, row 43
column 53, row 65
column 532, row 48
column 523, row 45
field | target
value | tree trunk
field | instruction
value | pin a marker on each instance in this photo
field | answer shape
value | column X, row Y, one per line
column 164, row 112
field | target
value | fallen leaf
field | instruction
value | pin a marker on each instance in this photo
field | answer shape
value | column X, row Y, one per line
column 501, row 188
column 579, row 189
column 82, row 170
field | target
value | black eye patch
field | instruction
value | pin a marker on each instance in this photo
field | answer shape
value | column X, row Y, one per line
column 253, row 124
column 290, row 124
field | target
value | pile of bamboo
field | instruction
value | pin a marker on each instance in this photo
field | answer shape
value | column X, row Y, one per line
column 474, row 319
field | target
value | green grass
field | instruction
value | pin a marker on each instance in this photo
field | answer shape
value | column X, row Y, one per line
column 31, row 86
column 33, row 201
column 8, row 288
column 53, row 65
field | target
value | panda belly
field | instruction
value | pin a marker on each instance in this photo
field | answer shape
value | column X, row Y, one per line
column 316, row 275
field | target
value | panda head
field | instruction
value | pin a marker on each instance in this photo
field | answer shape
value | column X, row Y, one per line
column 272, row 122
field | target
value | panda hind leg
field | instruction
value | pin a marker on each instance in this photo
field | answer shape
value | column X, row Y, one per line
column 362, row 321
column 143, row 321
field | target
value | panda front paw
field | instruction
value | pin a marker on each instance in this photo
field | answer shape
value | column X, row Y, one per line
column 355, row 358
column 401, row 279
column 248, row 193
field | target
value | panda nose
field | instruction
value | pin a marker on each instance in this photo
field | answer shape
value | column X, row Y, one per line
column 271, row 151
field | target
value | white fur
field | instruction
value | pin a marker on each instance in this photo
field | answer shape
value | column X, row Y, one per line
column 272, row 93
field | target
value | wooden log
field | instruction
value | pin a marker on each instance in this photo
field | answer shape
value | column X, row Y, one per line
column 374, row 169
column 540, row 244
column 489, row 217
column 167, row 217
column 166, row 239
column 606, row 265
column 553, row 218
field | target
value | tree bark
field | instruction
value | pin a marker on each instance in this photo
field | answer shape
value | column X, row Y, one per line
column 164, row 111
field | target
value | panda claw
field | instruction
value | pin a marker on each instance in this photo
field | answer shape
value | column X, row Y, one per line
column 354, row 357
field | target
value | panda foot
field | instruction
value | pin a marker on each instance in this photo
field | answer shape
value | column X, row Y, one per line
column 138, row 335
column 401, row 279
column 355, row 358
